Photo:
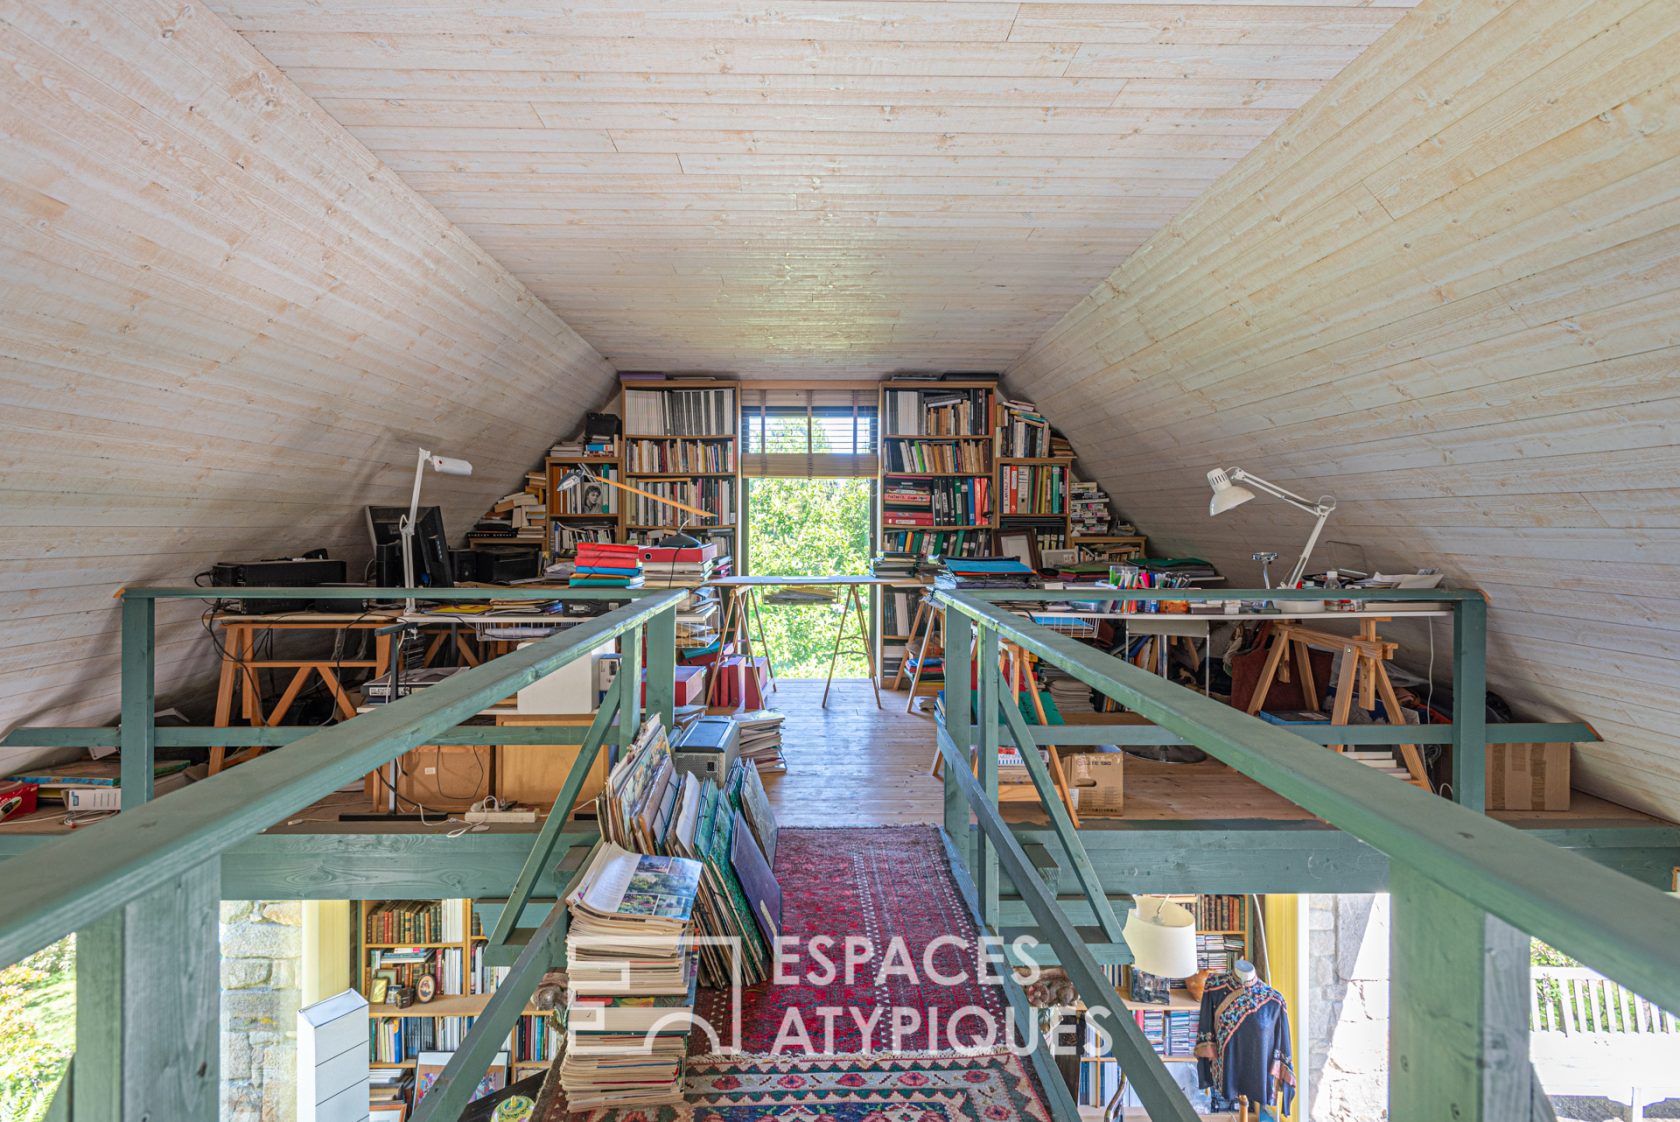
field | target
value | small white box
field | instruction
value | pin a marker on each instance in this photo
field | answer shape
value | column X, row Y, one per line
column 92, row 798
column 570, row 689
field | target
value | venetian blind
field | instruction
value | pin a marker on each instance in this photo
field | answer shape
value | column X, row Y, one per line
column 815, row 432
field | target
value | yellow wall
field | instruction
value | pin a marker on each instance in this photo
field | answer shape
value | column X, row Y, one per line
column 1285, row 923
column 326, row 949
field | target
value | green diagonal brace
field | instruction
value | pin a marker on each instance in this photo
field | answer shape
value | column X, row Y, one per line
column 1144, row 1069
column 537, row 860
column 1059, row 819
column 460, row 1076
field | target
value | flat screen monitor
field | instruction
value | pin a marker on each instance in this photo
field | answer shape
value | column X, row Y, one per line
column 431, row 547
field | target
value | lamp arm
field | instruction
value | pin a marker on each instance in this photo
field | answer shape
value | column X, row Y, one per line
column 1286, row 495
column 651, row 495
column 405, row 528
column 1300, row 568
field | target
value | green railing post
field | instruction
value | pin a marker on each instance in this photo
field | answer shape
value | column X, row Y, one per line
column 139, row 730
column 985, row 853
column 1458, row 1007
column 148, row 1005
column 1469, row 762
column 662, row 665
column 630, row 681
column 959, row 634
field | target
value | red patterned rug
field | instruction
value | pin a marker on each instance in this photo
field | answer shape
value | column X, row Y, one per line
column 990, row 1088
column 889, row 892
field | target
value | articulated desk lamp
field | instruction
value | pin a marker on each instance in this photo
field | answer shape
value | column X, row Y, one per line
column 1229, row 492
column 443, row 465
column 580, row 475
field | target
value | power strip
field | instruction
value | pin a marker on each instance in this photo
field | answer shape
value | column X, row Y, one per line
column 477, row 815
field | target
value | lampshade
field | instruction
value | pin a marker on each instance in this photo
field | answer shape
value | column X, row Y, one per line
column 572, row 478
column 1162, row 937
column 446, row 465
column 1225, row 493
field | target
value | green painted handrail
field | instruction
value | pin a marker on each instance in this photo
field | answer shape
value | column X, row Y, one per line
column 1608, row 920
column 74, row 880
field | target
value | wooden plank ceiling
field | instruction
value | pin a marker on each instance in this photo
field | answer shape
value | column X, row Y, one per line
column 1445, row 292
column 809, row 187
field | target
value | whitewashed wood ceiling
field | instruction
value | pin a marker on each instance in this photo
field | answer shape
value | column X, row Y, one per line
column 810, row 187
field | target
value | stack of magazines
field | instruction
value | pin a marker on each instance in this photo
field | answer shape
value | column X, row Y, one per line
column 631, row 973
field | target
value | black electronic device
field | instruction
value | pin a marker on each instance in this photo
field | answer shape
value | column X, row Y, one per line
column 309, row 572
column 506, row 564
column 463, row 564
column 431, row 547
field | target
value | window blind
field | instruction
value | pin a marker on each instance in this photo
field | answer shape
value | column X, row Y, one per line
column 816, row 432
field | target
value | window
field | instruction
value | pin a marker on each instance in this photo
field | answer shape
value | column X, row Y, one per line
column 812, row 433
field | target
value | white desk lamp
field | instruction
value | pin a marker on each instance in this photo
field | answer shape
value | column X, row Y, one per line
column 405, row 526
column 1229, row 492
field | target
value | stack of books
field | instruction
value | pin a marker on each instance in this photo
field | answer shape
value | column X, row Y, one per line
column 1088, row 508
column 761, row 739
column 631, row 972
column 650, row 807
column 606, row 565
column 677, row 567
column 895, row 566
column 986, row 572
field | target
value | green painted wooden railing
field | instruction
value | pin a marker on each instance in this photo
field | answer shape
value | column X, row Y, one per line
column 1467, row 890
column 142, row 890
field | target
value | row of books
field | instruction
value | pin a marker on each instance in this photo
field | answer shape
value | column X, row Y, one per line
column 669, row 456
column 590, row 497
column 393, row 1040
column 938, row 412
column 714, row 495
column 928, row 456
column 1218, row 952
column 416, row 921
column 535, row 1039
column 1025, row 433
column 921, row 543
column 1032, row 489
column 631, row 974
column 565, row 537
column 898, row 610
column 937, row 502
column 1219, row 913
column 679, row 412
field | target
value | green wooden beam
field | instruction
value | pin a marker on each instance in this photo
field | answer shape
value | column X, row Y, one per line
column 541, row 852
column 1469, row 743
column 1051, row 801
column 1528, row 732
column 1144, row 1069
column 148, row 1005
column 959, row 634
column 139, row 690
column 60, row 1109
column 986, row 764
column 359, row 593
column 661, row 635
column 1610, row 922
column 74, row 880
column 1458, row 1008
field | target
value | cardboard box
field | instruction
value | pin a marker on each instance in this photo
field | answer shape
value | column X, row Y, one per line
column 1098, row 779
column 690, row 685
column 1528, row 776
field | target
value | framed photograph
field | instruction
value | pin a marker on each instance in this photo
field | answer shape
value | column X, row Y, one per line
column 379, row 991
column 389, row 973
column 1057, row 558
column 1019, row 544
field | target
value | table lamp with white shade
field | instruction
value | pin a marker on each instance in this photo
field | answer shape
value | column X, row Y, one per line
column 1162, row 937
column 1229, row 492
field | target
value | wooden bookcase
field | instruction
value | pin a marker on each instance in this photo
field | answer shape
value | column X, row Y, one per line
column 469, row 1003
column 683, row 464
column 562, row 508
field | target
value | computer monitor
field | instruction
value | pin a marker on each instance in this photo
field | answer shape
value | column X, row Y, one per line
column 431, row 547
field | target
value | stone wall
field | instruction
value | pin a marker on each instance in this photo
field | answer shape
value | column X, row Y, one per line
column 1347, row 1037
column 262, row 961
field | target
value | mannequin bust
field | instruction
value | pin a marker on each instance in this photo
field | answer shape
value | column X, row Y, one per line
column 1245, row 972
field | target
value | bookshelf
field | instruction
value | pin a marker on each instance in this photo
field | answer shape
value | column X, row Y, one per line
column 936, row 481
column 450, row 939
column 582, row 514
column 681, row 441
column 1224, row 920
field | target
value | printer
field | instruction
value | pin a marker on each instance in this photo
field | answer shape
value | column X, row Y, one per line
column 708, row 748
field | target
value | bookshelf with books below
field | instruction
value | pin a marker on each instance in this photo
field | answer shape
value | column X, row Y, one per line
column 681, row 442
column 397, row 941
column 1222, row 936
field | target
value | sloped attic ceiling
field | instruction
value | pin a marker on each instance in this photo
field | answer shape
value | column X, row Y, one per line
column 224, row 327
column 810, row 187
column 1447, row 293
